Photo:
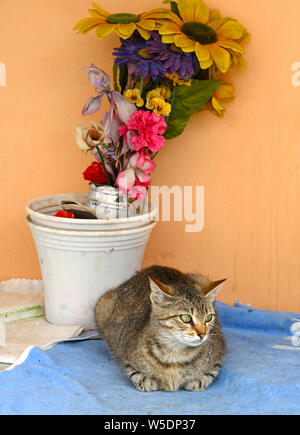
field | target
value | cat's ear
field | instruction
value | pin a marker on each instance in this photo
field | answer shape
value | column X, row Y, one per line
column 160, row 293
column 210, row 291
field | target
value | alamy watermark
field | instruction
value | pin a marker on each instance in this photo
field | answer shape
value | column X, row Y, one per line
column 188, row 205
column 296, row 76
column 170, row 204
column 2, row 74
column 295, row 330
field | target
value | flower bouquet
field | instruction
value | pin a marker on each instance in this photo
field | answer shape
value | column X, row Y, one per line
column 171, row 63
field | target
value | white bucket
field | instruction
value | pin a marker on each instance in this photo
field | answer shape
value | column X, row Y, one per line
column 80, row 266
column 42, row 211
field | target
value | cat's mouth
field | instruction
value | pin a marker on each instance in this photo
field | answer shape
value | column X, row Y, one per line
column 198, row 341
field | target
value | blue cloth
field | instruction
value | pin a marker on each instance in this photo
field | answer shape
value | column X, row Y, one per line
column 83, row 378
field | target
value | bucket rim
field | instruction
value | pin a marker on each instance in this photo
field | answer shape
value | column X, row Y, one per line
column 89, row 233
column 150, row 216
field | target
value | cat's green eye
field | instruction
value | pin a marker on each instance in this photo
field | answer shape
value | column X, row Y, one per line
column 186, row 318
column 208, row 318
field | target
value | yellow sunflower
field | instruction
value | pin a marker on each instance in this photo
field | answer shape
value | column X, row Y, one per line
column 124, row 24
column 237, row 59
column 214, row 39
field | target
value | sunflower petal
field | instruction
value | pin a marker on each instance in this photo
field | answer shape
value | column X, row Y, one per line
column 245, row 38
column 231, row 45
column 202, row 52
column 184, row 42
column 215, row 24
column 101, row 12
column 193, row 10
column 158, row 12
column 225, row 92
column 147, row 24
column 104, row 30
column 87, row 24
column 95, row 14
column 214, row 15
column 218, row 107
column 203, row 55
column 162, row 14
column 239, row 62
column 145, row 34
column 206, row 64
column 221, row 57
column 125, row 30
column 169, row 28
column 231, row 30
column 168, row 39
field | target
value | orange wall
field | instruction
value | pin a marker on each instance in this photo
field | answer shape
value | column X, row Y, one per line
column 249, row 163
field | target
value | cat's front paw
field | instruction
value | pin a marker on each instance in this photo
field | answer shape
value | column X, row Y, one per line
column 144, row 383
column 199, row 384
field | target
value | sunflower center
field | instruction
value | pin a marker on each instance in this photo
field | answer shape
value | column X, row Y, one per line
column 145, row 54
column 122, row 18
column 199, row 32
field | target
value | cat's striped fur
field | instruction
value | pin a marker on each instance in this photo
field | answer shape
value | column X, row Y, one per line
column 140, row 320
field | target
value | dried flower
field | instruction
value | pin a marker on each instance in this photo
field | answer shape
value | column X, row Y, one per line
column 88, row 138
column 100, row 80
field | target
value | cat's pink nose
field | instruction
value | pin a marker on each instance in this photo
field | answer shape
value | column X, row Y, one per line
column 201, row 336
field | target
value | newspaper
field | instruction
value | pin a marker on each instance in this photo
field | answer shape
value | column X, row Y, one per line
column 22, row 321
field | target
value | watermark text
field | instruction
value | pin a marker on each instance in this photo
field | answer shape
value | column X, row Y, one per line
column 295, row 330
column 2, row 74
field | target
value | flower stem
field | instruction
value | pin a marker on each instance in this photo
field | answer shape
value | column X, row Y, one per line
column 173, row 96
column 102, row 161
column 115, row 75
column 141, row 84
column 172, row 102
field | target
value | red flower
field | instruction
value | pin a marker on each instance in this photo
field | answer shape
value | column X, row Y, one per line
column 95, row 173
column 64, row 214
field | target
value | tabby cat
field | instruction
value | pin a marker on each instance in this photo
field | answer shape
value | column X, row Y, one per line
column 162, row 326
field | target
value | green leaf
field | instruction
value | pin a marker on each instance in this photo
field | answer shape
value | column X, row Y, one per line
column 174, row 8
column 187, row 101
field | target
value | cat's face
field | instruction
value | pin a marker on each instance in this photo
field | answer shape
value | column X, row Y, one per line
column 189, row 327
column 185, row 319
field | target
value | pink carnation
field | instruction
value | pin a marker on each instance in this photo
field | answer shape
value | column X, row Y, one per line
column 144, row 130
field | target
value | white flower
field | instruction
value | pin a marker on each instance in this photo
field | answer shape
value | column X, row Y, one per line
column 89, row 137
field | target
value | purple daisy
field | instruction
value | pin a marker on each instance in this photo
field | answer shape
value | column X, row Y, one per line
column 173, row 59
column 135, row 54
